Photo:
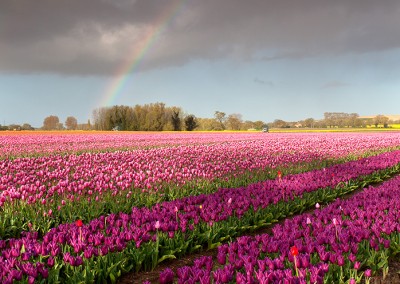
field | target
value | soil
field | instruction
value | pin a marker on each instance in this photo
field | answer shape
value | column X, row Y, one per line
column 393, row 276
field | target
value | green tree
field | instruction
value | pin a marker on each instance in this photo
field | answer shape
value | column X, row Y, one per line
column 140, row 113
column 155, row 117
column 27, row 126
column 190, row 122
column 205, row 124
column 259, row 124
column 176, row 119
column 14, row 127
column 246, row 125
column 279, row 123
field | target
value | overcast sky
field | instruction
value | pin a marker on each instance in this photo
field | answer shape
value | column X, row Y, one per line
column 265, row 59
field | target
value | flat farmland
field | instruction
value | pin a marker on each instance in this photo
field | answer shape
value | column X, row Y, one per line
column 89, row 207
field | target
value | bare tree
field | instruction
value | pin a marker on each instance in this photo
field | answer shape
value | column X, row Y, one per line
column 309, row 122
column 220, row 117
column 51, row 122
column 71, row 123
column 381, row 119
column 234, row 121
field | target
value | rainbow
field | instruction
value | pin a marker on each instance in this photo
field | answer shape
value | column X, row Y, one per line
column 121, row 76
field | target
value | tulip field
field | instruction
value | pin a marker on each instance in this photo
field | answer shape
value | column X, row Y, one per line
column 92, row 207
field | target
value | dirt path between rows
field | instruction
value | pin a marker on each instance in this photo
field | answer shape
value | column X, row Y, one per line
column 393, row 276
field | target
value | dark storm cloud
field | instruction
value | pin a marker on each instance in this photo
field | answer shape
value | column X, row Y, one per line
column 94, row 37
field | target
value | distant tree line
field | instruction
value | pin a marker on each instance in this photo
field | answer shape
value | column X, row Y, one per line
column 52, row 122
column 148, row 117
column 159, row 117
column 335, row 120
column 25, row 126
column 234, row 122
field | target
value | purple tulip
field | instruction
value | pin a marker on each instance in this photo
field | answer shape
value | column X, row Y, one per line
column 16, row 274
column 340, row 260
column 368, row 273
column 357, row 265
column 167, row 276
column 92, row 174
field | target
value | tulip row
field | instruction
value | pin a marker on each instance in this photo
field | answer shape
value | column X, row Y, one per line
column 91, row 174
column 33, row 144
column 26, row 145
column 347, row 241
column 58, row 189
column 43, row 198
column 173, row 228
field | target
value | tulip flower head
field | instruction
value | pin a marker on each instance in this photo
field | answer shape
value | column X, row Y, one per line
column 368, row 273
column 79, row 224
column 308, row 221
column 317, row 205
column 166, row 276
column 157, row 225
column 357, row 265
column 295, row 252
column 176, row 213
column 335, row 223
